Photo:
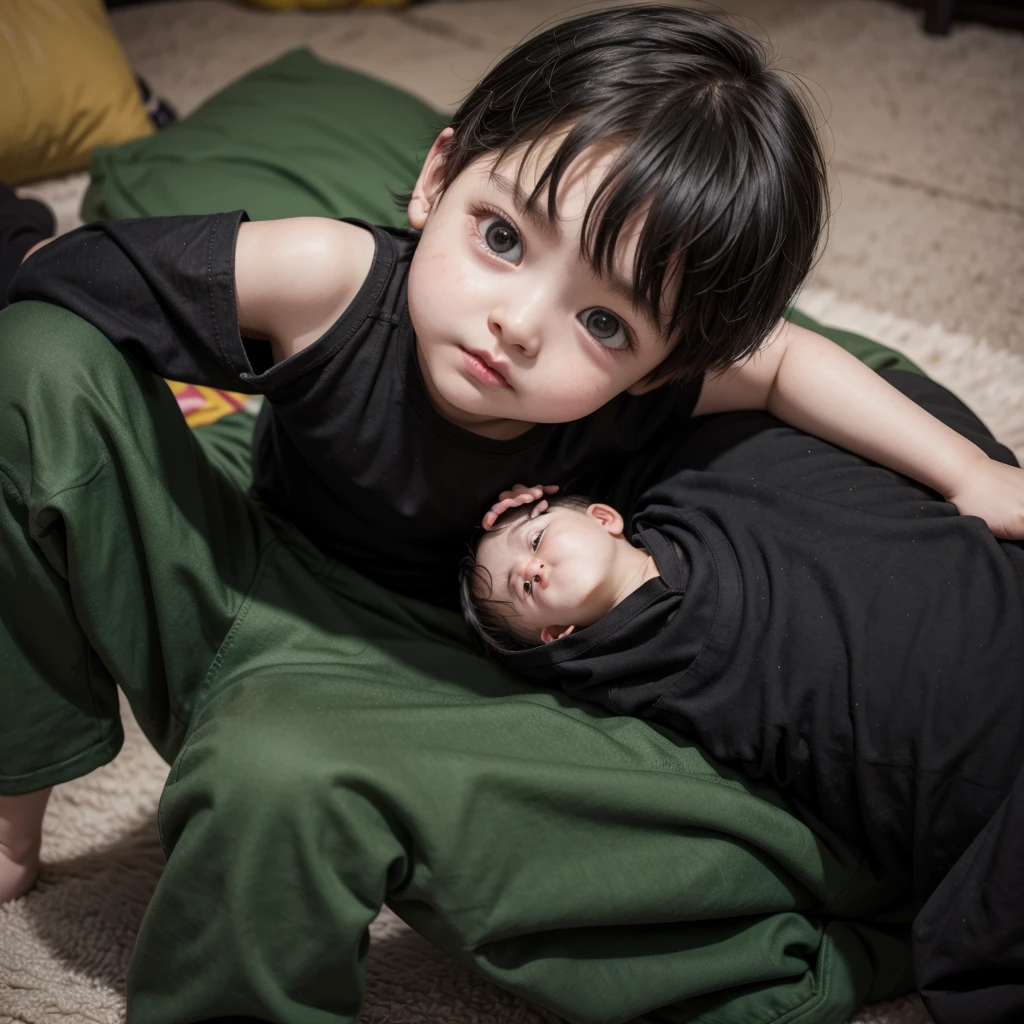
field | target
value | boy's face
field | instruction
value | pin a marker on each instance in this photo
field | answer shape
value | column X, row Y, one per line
column 557, row 571
column 512, row 324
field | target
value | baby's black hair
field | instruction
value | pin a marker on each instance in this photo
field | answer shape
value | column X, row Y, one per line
column 483, row 614
column 717, row 140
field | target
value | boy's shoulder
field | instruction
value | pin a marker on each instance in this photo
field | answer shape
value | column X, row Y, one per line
column 295, row 277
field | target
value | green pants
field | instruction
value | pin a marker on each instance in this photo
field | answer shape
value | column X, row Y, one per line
column 335, row 747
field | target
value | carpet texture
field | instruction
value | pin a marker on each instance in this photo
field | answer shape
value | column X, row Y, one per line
column 930, row 227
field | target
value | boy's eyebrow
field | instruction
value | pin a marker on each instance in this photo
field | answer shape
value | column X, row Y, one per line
column 619, row 285
column 623, row 289
column 518, row 195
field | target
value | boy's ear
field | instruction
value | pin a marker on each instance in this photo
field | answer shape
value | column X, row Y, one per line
column 549, row 633
column 607, row 517
column 428, row 184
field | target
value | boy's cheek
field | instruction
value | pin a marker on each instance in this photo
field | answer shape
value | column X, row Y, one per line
column 436, row 281
column 562, row 395
column 425, row 301
column 576, row 385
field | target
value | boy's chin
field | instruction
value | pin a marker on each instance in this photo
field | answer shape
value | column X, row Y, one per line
column 459, row 393
column 468, row 399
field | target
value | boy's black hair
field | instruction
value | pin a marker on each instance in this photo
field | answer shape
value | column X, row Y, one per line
column 483, row 614
column 720, row 142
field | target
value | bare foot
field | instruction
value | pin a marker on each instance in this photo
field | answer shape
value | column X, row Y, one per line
column 17, row 876
column 21, row 831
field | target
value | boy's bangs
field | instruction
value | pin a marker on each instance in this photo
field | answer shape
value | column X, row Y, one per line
column 716, row 210
column 632, row 191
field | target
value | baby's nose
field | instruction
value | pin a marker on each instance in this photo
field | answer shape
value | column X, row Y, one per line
column 536, row 573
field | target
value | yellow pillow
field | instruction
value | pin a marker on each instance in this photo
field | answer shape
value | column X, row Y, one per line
column 65, row 88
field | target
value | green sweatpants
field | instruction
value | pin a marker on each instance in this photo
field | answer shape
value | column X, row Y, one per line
column 335, row 747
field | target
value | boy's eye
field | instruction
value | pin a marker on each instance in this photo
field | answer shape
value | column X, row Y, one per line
column 502, row 239
column 536, row 540
column 527, row 586
column 605, row 328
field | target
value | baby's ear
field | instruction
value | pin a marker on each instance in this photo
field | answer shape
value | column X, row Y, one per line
column 425, row 193
column 549, row 633
column 607, row 517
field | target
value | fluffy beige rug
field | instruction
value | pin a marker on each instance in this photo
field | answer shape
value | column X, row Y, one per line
column 64, row 947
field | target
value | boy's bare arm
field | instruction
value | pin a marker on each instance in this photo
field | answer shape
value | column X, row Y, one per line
column 811, row 383
column 295, row 277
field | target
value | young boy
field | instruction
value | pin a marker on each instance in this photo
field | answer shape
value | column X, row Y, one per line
column 625, row 203
column 817, row 620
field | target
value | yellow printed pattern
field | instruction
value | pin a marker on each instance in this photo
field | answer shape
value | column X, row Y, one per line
column 201, row 405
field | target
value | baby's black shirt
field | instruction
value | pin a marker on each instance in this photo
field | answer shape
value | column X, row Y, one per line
column 348, row 446
column 826, row 624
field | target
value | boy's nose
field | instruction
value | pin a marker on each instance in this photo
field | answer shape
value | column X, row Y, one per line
column 517, row 332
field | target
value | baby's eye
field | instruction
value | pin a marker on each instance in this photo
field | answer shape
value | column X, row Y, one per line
column 536, row 540
column 527, row 586
column 502, row 239
column 605, row 328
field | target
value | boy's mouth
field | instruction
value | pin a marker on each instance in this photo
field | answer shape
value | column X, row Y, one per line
column 482, row 369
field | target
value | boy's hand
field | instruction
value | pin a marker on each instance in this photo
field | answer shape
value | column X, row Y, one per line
column 519, row 495
column 994, row 492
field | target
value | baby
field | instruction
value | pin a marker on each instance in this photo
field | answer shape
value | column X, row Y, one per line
column 811, row 617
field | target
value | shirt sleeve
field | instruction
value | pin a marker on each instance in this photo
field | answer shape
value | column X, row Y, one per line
column 162, row 289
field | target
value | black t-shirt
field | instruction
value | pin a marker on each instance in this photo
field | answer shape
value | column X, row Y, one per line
column 348, row 445
column 829, row 625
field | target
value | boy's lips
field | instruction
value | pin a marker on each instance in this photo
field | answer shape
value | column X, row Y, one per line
column 481, row 367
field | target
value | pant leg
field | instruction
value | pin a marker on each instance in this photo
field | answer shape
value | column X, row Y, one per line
column 352, row 750
column 125, row 551
column 969, row 936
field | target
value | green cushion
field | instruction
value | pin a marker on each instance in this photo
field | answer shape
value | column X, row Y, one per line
column 295, row 137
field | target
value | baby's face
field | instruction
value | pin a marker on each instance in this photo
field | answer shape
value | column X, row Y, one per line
column 553, row 572
column 511, row 322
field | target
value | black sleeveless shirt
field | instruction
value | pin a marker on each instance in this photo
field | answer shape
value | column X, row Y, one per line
column 348, row 445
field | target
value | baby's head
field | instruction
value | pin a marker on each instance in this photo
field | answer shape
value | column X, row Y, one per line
column 630, row 197
column 534, row 580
